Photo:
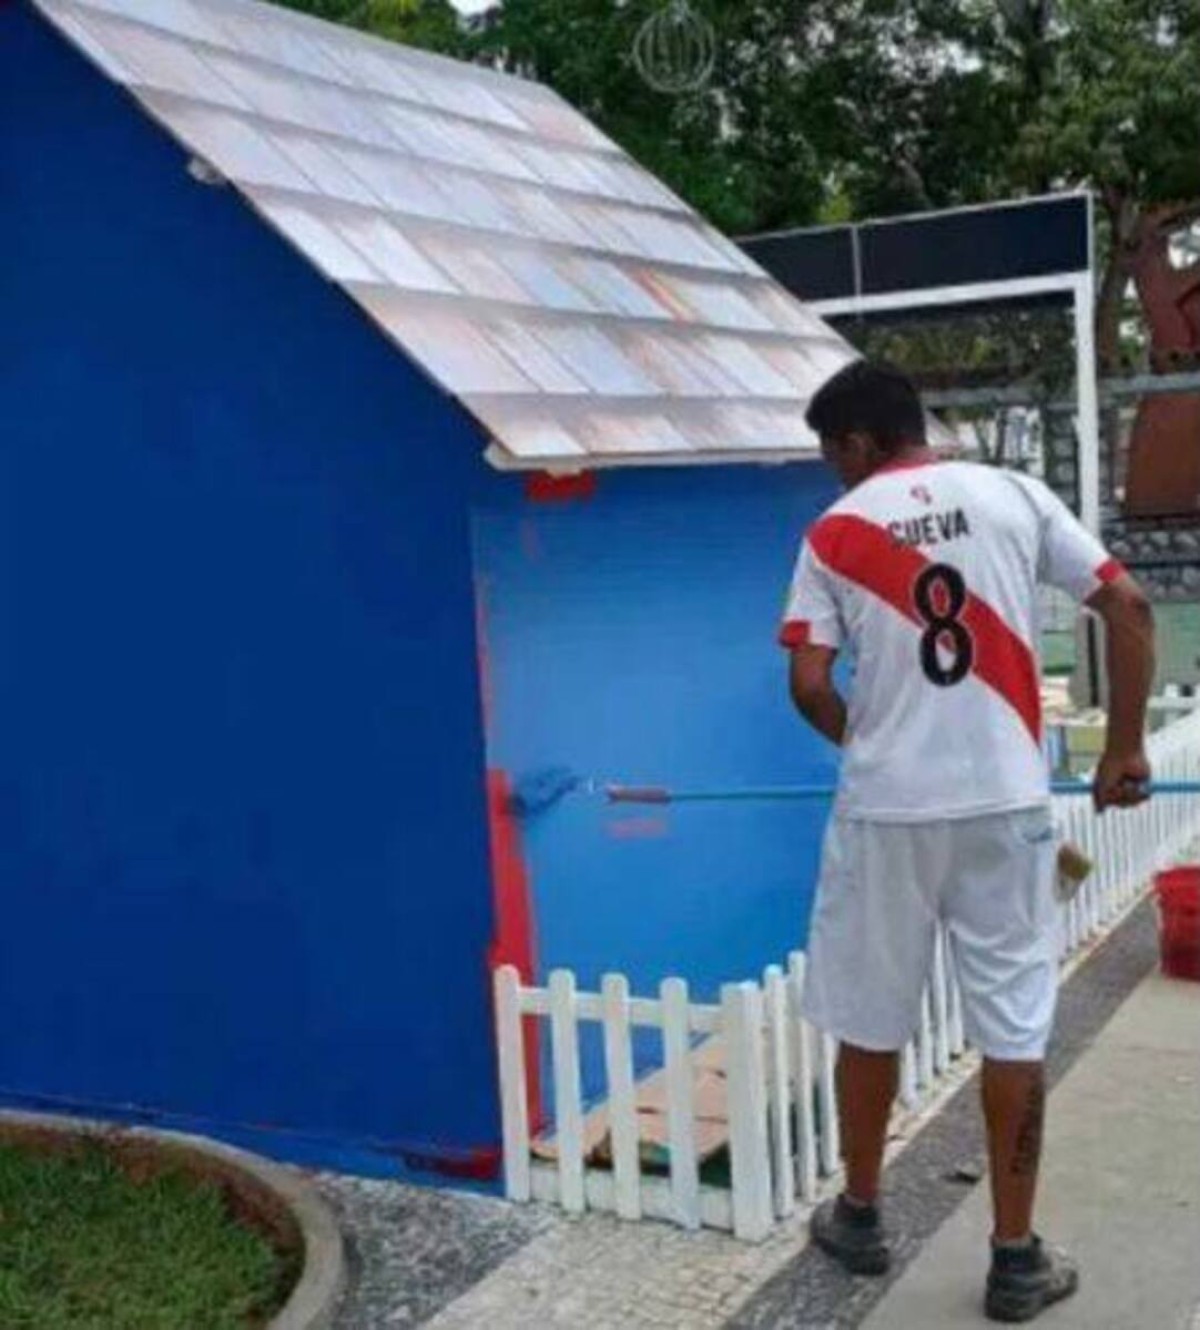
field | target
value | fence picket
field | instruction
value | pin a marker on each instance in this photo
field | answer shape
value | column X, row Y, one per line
column 908, row 1075
column 958, row 1041
column 831, row 1147
column 568, row 1100
column 925, row 1044
column 1064, row 817
column 749, row 1156
column 802, row 1071
column 1112, row 875
column 779, row 1101
column 1091, row 887
column 681, row 1109
column 1084, row 895
column 941, row 1027
column 514, row 1106
column 622, row 1104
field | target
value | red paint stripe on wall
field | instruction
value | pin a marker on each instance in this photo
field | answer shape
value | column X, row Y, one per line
column 542, row 487
column 513, row 942
column 479, row 1165
column 867, row 555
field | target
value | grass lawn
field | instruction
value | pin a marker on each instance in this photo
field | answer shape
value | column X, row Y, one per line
column 90, row 1240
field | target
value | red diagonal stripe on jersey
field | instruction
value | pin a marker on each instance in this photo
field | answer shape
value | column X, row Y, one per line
column 867, row 555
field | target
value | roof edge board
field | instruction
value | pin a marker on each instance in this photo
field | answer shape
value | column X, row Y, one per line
column 628, row 404
column 500, row 459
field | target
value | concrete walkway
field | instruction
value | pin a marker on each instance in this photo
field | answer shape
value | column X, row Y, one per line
column 1121, row 1186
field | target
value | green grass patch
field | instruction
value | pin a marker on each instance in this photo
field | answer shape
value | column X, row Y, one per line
column 92, row 1238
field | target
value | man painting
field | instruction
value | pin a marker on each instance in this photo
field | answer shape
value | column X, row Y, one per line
column 927, row 572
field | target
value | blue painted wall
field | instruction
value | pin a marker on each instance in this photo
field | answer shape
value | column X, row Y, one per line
column 631, row 637
column 242, row 830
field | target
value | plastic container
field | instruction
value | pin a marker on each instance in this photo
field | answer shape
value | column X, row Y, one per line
column 1178, row 891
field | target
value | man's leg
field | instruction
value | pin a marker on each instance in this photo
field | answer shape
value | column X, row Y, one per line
column 1004, row 922
column 1025, row 1278
column 870, row 947
column 1014, row 1107
column 866, row 1087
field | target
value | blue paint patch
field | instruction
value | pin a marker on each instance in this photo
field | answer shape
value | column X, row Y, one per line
column 242, row 806
column 632, row 639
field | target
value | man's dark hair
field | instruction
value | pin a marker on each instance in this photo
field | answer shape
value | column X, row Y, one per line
column 869, row 397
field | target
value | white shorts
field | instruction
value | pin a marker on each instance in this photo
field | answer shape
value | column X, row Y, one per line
column 883, row 889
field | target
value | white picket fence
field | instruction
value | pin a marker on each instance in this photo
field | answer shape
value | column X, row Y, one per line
column 779, row 1072
column 1129, row 847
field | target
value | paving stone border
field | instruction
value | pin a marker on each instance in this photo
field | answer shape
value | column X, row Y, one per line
column 413, row 1250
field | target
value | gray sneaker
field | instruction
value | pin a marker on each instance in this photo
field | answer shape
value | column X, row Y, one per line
column 1022, row 1284
column 852, row 1235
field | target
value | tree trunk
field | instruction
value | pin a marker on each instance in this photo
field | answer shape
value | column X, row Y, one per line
column 1123, row 216
column 1164, row 460
column 1170, row 298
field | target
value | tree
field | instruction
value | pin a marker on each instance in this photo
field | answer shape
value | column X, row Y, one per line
column 735, row 148
column 433, row 24
column 1122, row 116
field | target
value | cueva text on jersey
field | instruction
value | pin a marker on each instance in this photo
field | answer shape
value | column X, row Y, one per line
column 930, row 528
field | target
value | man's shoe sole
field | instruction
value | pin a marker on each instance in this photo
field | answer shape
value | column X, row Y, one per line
column 876, row 1261
column 1013, row 1307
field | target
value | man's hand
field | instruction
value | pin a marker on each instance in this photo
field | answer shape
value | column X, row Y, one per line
column 1120, row 780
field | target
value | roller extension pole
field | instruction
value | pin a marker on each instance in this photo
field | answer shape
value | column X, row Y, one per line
column 661, row 794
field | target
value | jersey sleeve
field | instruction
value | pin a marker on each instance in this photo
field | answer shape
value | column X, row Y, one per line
column 1070, row 557
column 811, row 615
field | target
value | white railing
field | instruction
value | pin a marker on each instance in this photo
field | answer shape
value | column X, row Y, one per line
column 779, row 1097
column 1127, row 848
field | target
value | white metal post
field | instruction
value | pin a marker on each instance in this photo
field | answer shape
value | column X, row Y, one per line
column 1087, row 433
column 1088, row 390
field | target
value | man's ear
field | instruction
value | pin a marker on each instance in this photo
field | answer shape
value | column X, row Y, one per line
column 862, row 446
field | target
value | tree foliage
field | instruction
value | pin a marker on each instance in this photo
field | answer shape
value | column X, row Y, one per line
column 871, row 105
column 433, row 24
column 736, row 148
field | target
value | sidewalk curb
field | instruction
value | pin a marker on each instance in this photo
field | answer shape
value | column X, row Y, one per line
column 313, row 1302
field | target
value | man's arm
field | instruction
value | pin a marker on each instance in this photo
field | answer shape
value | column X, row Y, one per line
column 814, row 692
column 1129, row 649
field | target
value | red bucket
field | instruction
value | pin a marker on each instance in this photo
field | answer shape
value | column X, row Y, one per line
column 1178, row 891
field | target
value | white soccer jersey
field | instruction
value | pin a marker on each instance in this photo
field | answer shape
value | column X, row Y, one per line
column 927, row 574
